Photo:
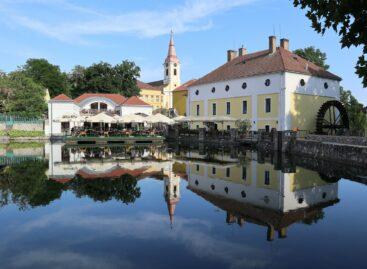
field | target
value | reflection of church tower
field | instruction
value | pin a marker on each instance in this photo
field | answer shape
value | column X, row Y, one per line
column 172, row 194
column 172, row 73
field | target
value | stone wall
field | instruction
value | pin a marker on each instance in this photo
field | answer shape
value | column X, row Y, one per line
column 23, row 126
column 352, row 154
column 350, row 140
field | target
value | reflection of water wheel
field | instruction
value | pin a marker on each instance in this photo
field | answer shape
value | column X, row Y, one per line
column 332, row 118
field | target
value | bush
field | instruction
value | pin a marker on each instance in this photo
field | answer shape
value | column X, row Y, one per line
column 21, row 133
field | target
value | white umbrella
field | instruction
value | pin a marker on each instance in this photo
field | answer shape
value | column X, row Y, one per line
column 101, row 117
column 133, row 118
column 159, row 118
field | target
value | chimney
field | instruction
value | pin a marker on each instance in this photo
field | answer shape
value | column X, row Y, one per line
column 284, row 43
column 242, row 51
column 231, row 54
column 272, row 44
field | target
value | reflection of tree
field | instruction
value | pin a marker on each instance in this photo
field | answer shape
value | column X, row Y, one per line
column 122, row 189
column 27, row 185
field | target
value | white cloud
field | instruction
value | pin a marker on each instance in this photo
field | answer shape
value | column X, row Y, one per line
column 192, row 15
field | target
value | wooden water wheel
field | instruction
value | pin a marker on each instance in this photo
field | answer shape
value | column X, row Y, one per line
column 332, row 118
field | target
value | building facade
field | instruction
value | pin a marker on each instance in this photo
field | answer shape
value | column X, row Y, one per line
column 180, row 97
column 273, row 88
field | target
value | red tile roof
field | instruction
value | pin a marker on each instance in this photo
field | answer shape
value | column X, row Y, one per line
column 62, row 97
column 184, row 86
column 134, row 101
column 117, row 98
column 263, row 62
column 142, row 85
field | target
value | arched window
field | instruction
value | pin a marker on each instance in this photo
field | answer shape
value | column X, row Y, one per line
column 94, row 105
column 102, row 106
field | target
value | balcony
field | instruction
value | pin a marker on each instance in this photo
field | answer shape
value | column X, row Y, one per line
column 86, row 112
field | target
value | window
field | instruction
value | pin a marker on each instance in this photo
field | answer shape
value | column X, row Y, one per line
column 227, row 88
column 197, row 92
column 175, row 65
column 228, row 127
column 102, row 106
column 228, row 172
column 243, row 194
column 326, row 85
column 244, row 107
column 197, row 110
column 267, row 105
column 175, row 72
column 267, row 82
column 214, row 170
column 228, row 108
column 94, row 106
column 302, row 82
column 166, row 72
column 244, row 173
column 267, row 128
column 244, row 85
column 214, row 109
column 157, row 98
column 197, row 167
column 267, row 178
column 197, row 126
column 196, row 182
column 212, row 187
column 226, row 189
column 213, row 90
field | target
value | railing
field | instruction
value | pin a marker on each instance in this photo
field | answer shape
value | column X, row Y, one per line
column 11, row 119
column 97, row 111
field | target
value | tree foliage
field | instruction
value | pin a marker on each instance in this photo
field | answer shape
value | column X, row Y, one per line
column 347, row 18
column 313, row 55
column 356, row 113
column 105, row 78
column 47, row 75
column 22, row 96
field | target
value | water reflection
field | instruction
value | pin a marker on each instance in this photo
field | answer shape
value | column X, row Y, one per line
column 244, row 185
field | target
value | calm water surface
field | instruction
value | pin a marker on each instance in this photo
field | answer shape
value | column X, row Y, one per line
column 171, row 207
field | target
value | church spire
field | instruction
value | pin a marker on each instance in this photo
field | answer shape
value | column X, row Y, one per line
column 171, row 56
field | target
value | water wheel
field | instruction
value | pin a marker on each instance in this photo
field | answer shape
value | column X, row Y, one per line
column 332, row 118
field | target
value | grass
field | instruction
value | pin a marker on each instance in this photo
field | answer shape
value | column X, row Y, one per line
column 21, row 133
column 16, row 145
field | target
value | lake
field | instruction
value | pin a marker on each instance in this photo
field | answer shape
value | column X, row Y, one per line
column 169, row 206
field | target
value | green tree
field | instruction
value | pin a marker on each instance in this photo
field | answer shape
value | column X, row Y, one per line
column 105, row 78
column 347, row 18
column 47, row 75
column 356, row 113
column 313, row 55
column 24, row 97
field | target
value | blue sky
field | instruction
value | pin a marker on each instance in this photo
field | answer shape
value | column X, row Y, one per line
column 68, row 33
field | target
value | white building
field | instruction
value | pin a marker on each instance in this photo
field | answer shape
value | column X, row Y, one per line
column 89, row 104
column 272, row 88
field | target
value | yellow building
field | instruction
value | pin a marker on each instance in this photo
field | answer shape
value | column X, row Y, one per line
column 151, row 95
column 272, row 88
column 180, row 98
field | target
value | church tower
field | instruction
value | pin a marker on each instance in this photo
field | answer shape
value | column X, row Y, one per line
column 172, row 194
column 172, row 73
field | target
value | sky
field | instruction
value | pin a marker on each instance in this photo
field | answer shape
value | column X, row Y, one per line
column 83, row 32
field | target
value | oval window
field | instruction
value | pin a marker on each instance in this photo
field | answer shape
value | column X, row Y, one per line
column 267, row 82
column 212, row 187
column 213, row 90
column 227, row 88
column 326, row 85
column 197, row 92
column 323, row 195
column 226, row 189
column 244, row 85
column 196, row 182
column 243, row 194
column 302, row 82
column 300, row 200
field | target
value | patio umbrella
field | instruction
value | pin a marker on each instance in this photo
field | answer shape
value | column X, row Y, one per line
column 133, row 118
column 101, row 118
column 159, row 118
